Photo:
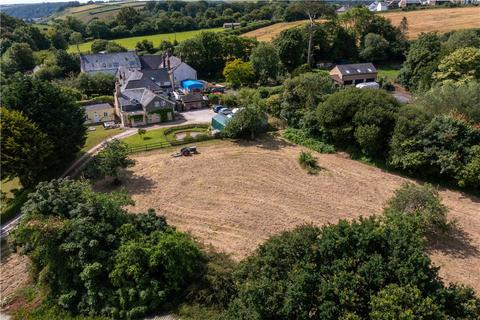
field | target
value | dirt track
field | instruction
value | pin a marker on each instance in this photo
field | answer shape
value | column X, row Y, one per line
column 236, row 196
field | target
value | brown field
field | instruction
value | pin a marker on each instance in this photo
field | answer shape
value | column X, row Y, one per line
column 270, row 32
column 235, row 196
column 440, row 20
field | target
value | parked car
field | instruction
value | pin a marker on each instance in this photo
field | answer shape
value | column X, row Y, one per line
column 217, row 107
column 368, row 85
column 110, row 125
column 225, row 111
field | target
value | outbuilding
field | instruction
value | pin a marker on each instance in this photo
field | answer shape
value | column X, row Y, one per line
column 353, row 74
column 100, row 112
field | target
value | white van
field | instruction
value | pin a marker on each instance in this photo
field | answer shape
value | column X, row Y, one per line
column 368, row 85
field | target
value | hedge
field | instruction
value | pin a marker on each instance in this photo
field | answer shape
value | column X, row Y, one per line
column 300, row 137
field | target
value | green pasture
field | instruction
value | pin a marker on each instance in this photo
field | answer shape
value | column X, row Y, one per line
column 130, row 42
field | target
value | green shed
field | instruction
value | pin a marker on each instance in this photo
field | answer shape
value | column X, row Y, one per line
column 219, row 122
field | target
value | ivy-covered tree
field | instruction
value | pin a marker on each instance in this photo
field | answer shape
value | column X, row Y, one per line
column 17, row 58
column 25, row 148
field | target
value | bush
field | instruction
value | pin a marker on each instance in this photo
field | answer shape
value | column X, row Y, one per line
column 360, row 119
column 247, row 122
column 308, row 162
column 421, row 202
column 300, row 137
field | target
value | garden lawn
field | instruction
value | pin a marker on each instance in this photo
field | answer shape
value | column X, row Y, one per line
column 390, row 74
column 130, row 42
column 98, row 135
column 151, row 136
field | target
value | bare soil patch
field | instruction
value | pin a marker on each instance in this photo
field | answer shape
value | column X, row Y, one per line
column 13, row 276
column 440, row 20
column 235, row 196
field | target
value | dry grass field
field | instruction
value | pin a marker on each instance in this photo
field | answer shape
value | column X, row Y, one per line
column 270, row 32
column 234, row 196
column 440, row 20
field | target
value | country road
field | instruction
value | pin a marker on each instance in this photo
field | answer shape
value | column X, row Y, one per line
column 188, row 117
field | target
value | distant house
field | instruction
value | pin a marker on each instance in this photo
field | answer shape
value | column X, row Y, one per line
column 406, row 3
column 342, row 9
column 137, row 107
column 353, row 74
column 377, row 7
column 178, row 69
column 100, row 112
column 231, row 25
column 109, row 62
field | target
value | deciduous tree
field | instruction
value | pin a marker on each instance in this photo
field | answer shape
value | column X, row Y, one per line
column 26, row 150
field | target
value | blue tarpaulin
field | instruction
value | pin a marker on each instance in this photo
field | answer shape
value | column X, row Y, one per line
column 192, row 84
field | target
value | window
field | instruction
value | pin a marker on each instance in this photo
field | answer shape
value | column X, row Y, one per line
column 157, row 104
column 105, row 114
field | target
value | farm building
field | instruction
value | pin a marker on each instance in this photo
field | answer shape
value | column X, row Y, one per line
column 100, row 112
column 178, row 69
column 353, row 74
column 193, row 100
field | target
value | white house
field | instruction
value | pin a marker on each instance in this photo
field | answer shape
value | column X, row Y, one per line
column 179, row 70
column 377, row 7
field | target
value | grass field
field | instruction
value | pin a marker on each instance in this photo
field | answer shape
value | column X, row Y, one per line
column 390, row 74
column 234, row 195
column 440, row 20
column 89, row 12
column 130, row 42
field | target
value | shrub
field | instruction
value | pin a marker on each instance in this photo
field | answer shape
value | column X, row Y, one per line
column 359, row 119
column 247, row 122
column 308, row 162
column 300, row 137
column 421, row 202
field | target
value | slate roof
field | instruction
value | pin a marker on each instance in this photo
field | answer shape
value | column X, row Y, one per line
column 192, row 97
column 151, row 79
column 109, row 62
column 151, row 61
column 98, row 106
column 356, row 68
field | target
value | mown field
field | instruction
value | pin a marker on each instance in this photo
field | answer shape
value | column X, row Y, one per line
column 234, row 195
column 440, row 20
column 130, row 42
column 89, row 12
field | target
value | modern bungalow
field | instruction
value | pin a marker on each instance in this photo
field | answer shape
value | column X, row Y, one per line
column 353, row 74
